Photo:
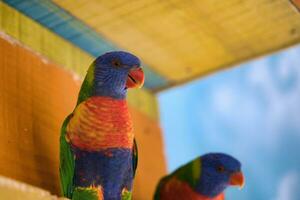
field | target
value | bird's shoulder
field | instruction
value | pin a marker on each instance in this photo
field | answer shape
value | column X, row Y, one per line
column 175, row 189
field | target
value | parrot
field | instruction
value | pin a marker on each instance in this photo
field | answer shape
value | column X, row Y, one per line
column 98, row 151
column 204, row 178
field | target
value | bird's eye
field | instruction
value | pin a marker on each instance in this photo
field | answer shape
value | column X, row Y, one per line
column 220, row 169
column 116, row 63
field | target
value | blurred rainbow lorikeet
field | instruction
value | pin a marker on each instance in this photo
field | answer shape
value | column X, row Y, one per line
column 98, row 153
column 204, row 178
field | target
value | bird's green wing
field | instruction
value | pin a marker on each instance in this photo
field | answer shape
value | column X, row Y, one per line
column 134, row 157
column 159, row 187
column 189, row 173
column 87, row 86
column 67, row 163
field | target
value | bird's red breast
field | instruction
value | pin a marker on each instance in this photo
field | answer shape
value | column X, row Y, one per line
column 177, row 190
column 100, row 123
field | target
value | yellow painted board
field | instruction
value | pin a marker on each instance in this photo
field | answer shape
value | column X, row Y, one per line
column 29, row 33
column 57, row 50
column 43, row 41
column 182, row 40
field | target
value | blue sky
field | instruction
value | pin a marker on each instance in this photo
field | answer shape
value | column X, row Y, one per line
column 251, row 112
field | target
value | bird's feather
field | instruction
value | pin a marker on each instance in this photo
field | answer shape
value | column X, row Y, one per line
column 67, row 165
column 204, row 178
column 87, row 85
column 86, row 194
column 98, row 151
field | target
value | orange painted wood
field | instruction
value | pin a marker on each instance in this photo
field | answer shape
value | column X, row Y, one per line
column 35, row 97
column 151, row 164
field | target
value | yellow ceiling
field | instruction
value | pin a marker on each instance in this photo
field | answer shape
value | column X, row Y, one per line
column 182, row 40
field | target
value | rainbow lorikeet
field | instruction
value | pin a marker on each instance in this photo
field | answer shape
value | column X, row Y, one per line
column 98, row 153
column 204, row 178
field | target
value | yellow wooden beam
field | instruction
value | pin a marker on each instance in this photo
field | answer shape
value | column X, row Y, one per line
column 183, row 40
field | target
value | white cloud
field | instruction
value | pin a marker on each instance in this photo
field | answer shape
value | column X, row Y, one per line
column 288, row 187
column 223, row 99
column 281, row 106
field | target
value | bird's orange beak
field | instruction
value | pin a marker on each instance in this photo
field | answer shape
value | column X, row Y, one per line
column 237, row 179
column 135, row 78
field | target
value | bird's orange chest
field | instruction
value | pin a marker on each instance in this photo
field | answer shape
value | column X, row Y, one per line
column 178, row 190
column 101, row 123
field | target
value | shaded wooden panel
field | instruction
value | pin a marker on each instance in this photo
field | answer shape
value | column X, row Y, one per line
column 35, row 97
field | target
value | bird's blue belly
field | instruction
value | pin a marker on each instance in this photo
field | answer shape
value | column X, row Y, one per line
column 111, row 169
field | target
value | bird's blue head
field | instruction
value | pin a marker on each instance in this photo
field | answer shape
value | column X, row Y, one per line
column 218, row 171
column 115, row 72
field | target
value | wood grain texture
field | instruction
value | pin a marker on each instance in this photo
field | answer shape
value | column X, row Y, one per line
column 183, row 40
column 36, row 95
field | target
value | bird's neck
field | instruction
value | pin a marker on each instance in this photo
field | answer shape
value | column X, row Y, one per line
column 209, row 187
column 113, row 92
column 109, row 83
